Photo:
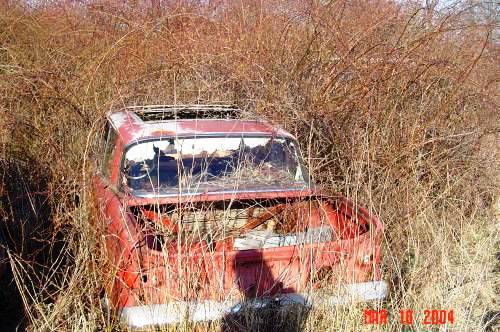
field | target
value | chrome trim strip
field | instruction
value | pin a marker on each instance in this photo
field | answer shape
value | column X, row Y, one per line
column 226, row 192
column 195, row 311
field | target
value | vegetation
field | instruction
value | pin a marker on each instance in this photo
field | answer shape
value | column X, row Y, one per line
column 396, row 107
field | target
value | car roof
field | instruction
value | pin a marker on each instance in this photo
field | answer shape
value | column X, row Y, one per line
column 154, row 121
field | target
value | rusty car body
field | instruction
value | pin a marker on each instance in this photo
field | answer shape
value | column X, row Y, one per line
column 204, row 210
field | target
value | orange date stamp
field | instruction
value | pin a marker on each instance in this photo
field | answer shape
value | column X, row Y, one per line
column 407, row 317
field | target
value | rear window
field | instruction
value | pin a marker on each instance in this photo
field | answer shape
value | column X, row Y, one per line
column 190, row 165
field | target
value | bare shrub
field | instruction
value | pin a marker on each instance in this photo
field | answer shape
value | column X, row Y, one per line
column 395, row 108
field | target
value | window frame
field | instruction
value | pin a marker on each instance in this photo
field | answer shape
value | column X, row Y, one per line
column 305, row 171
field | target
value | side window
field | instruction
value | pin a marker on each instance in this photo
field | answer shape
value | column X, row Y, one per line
column 104, row 137
column 109, row 151
column 100, row 145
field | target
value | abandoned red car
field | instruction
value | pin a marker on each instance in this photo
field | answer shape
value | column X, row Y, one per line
column 204, row 211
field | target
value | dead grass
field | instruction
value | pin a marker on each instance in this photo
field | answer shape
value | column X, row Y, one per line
column 394, row 109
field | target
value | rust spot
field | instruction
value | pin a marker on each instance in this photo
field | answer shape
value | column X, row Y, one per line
column 162, row 132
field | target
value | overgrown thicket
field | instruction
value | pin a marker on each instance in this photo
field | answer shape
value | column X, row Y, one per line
column 396, row 106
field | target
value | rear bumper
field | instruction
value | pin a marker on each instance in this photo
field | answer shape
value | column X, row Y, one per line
column 175, row 312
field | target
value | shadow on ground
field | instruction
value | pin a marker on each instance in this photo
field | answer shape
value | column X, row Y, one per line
column 24, row 233
column 11, row 305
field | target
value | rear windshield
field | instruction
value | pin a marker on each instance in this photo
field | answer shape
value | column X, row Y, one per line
column 213, row 164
